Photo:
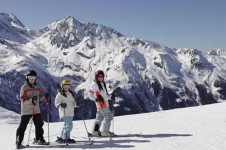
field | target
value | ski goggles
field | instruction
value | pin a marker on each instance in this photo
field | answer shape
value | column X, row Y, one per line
column 32, row 77
column 66, row 86
column 100, row 76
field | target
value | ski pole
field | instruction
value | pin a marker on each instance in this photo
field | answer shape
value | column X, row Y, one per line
column 85, row 125
column 47, row 109
column 86, row 129
column 33, row 110
column 48, row 96
column 113, row 122
column 113, row 102
column 112, row 126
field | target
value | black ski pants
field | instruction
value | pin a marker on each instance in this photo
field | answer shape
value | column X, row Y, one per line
column 23, row 125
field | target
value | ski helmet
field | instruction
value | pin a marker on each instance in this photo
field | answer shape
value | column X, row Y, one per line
column 31, row 73
column 65, row 82
column 99, row 73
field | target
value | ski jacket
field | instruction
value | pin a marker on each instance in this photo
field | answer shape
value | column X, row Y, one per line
column 26, row 95
column 93, row 93
column 68, row 98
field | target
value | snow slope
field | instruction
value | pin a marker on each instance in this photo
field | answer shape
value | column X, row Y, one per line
column 201, row 128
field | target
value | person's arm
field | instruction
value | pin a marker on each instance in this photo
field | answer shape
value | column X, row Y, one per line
column 42, row 96
column 23, row 95
column 58, row 100
column 91, row 93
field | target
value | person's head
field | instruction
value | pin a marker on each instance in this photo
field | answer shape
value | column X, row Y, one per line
column 65, row 84
column 99, row 75
column 31, row 76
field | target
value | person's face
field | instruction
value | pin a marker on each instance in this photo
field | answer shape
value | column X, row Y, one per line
column 100, row 78
column 31, row 79
column 66, row 87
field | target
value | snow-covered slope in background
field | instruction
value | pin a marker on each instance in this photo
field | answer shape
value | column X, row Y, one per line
column 147, row 76
column 202, row 128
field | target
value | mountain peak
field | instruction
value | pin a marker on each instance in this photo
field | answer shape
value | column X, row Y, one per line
column 10, row 18
column 69, row 32
column 71, row 20
column 12, row 29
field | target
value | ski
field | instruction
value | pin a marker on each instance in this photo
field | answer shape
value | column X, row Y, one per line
column 91, row 136
column 33, row 145
column 118, row 136
column 62, row 145
column 37, row 144
column 55, row 144
column 20, row 147
column 101, row 137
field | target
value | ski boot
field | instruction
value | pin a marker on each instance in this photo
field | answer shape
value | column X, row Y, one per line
column 112, row 134
column 71, row 141
column 18, row 143
column 59, row 140
column 19, row 146
column 108, row 134
column 40, row 141
column 96, row 134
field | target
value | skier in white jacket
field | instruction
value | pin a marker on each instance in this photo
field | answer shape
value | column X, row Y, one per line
column 65, row 102
column 98, row 93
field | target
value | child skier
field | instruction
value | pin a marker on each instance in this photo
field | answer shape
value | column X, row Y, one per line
column 30, row 95
column 66, row 103
column 98, row 93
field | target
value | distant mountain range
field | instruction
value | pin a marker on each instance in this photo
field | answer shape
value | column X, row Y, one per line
column 147, row 76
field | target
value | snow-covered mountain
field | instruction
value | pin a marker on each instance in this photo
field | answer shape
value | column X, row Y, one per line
column 202, row 128
column 145, row 75
column 12, row 29
column 218, row 52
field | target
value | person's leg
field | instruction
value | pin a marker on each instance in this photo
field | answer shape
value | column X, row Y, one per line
column 70, row 126
column 108, row 116
column 65, row 129
column 38, row 127
column 97, row 122
column 69, row 129
column 21, row 129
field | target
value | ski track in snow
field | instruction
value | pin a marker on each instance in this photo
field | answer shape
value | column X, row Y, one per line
column 202, row 128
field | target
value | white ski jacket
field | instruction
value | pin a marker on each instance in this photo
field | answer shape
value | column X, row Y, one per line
column 94, row 88
column 69, row 100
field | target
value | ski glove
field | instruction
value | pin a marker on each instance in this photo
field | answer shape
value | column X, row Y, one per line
column 63, row 105
column 34, row 100
column 99, row 99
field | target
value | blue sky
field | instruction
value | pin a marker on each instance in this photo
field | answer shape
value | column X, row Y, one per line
column 197, row 24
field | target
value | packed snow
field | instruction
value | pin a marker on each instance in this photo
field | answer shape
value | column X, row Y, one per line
column 201, row 127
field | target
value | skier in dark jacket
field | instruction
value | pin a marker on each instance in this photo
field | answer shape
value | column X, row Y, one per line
column 30, row 96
